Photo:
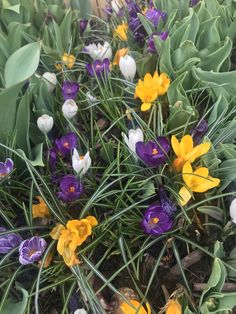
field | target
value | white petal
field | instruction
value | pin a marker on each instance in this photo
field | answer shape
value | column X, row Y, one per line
column 232, row 210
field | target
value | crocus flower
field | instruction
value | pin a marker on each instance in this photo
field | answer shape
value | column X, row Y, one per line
column 31, row 250
column 166, row 203
column 69, row 108
column 199, row 131
column 41, row 209
column 185, row 151
column 70, row 188
column 51, row 80
column 68, row 60
column 119, row 53
column 125, row 308
column 80, row 311
column 45, row 123
column 173, row 307
column 81, row 163
column 8, row 241
column 134, row 136
column 198, row 181
column 153, row 153
column 138, row 30
column 99, row 52
column 52, row 156
column 98, row 68
column 232, row 210
column 90, row 98
column 6, row 167
column 150, row 42
column 70, row 90
column 83, row 25
column 72, row 236
column 121, row 31
column 155, row 220
column 66, row 143
column 193, row 2
column 150, row 88
column 128, row 67
column 154, row 15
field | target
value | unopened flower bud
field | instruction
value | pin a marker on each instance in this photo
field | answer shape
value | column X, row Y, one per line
column 51, row 80
column 127, row 67
column 69, row 108
column 45, row 123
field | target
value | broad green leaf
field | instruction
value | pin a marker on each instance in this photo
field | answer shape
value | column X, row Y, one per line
column 13, row 307
column 37, row 153
column 25, row 60
column 212, row 211
column 8, row 109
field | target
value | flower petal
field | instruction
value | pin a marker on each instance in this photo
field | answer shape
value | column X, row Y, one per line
column 146, row 106
column 185, row 195
column 187, row 174
column 186, row 145
column 198, row 151
column 207, row 184
column 175, row 145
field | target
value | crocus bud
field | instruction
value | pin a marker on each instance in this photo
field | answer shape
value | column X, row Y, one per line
column 133, row 138
column 51, row 80
column 45, row 123
column 69, row 109
column 90, row 98
column 80, row 164
column 127, row 67
column 232, row 210
column 80, row 311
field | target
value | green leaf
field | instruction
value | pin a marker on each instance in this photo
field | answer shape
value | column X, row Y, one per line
column 37, row 154
column 212, row 211
column 25, row 60
column 227, row 173
column 8, row 109
column 12, row 307
column 149, row 27
column 65, row 29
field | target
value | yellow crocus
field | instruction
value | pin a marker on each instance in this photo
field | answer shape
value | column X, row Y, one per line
column 121, row 31
column 150, row 88
column 68, row 60
column 72, row 236
column 125, row 308
column 198, row 181
column 173, row 307
column 185, row 151
column 41, row 209
column 119, row 53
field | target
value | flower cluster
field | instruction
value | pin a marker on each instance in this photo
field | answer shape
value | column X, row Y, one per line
column 72, row 236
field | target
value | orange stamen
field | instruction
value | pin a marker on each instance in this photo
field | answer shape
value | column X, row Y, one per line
column 154, row 151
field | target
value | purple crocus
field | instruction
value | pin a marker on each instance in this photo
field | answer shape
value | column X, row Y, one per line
column 154, row 15
column 98, row 67
column 82, row 25
column 6, row 167
column 155, row 220
column 31, row 250
column 52, row 156
column 8, row 241
column 153, row 153
column 199, row 131
column 193, row 2
column 133, row 8
column 70, row 90
column 138, row 30
column 66, row 144
column 70, row 188
column 166, row 203
column 150, row 42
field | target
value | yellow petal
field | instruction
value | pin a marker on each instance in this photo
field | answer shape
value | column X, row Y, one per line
column 173, row 307
column 185, row 195
column 56, row 232
column 187, row 174
column 207, row 184
column 146, row 106
column 186, row 145
column 92, row 220
column 125, row 308
column 200, row 175
column 198, row 151
column 175, row 145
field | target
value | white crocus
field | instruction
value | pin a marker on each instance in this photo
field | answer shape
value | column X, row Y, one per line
column 69, row 108
column 133, row 138
column 45, row 123
column 99, row 52
column 128, row 67
column 116, row 6
column 80, row 311
column 90, row 98
column 51, row 80
column 80, row 163
column 232, row 210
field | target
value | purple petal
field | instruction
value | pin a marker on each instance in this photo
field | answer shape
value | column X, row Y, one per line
column 9, row 165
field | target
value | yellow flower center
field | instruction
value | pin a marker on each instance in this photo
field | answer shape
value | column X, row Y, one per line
column 81, row 157
column 31, row 252
column 154, row 151
column 72, row 189
column 154, row 220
